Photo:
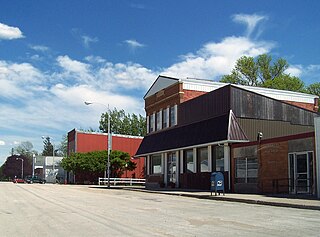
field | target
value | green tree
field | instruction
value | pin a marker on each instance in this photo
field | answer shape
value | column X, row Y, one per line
column 95, row 163
column 263, row 71
column 314, row 89
column 47, row 147
column 123, row 123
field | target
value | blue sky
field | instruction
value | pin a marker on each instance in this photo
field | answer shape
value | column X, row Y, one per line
column 54, row 55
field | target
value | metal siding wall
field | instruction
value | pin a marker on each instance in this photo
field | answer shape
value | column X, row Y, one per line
column 246, row 104
column 270, row 129
column 204, row 107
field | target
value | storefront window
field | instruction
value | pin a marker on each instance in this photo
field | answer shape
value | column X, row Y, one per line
column 219, row 155
column 203, row 159
column 156, row 164
column 246, row 170
column 189, row 161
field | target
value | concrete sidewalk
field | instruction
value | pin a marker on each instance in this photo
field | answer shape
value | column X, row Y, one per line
column 302, row 202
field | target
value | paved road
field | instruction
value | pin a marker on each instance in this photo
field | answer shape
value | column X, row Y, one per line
column 64, row 210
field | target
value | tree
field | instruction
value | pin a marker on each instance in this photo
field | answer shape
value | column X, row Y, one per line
column 262, row 71
column 25, row 149
column 63, row 146
column 122, row 123
column 47, row 147
column 314, row 89
column 91, row 165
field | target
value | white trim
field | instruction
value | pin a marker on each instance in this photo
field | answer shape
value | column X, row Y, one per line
column 148, row 164
column 227, row 161
column 165, row 178
column 181, row 161
column 207, row 86
column 195, row 158
column 162, row 163
column 317, row 153
column 177, row 168
column 209, row 158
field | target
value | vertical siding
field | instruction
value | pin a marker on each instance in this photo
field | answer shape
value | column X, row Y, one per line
column 246, row 104
column 204, row 107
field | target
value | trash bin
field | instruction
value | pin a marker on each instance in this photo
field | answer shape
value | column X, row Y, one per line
column 217, row 183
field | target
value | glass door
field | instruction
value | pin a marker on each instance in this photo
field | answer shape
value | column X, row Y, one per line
column 300, row 172
column 172, row 166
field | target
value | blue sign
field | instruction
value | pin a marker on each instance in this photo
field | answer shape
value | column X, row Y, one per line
column 217, row 182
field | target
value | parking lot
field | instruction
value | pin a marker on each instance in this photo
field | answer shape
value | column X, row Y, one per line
column 65, row 210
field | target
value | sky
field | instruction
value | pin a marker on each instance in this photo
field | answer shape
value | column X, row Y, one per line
column 54, row 55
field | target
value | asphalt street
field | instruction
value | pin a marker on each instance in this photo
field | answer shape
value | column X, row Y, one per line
column 66, row 210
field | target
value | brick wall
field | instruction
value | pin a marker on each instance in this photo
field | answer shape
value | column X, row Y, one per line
column 189, row 94
column 311, row 107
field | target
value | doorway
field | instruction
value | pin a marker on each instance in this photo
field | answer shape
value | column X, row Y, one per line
column 300, row 172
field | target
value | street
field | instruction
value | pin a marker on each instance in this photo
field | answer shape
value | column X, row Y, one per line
column 66, row 210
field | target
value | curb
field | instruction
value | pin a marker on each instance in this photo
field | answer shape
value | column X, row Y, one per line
column 240, row 200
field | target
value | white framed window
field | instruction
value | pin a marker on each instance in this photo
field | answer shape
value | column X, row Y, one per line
column 203, row 159
column 165, row 118
column 173, row 115
column 152, row 123
column 159, row 120
column 156, row 164
column 189, row 161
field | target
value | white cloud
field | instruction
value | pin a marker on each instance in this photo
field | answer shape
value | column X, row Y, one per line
column 216, row 59
column 39, row 48
column 133, row 44
column 2, row 143
column 87, row 40
column 251, row 21
column 9, row 32
column 295, row 70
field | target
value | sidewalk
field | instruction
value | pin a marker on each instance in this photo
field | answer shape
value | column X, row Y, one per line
column 302, row 202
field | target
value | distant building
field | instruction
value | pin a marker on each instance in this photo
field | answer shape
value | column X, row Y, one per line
column 48, row 167
column 261, row 139
column 79, row 141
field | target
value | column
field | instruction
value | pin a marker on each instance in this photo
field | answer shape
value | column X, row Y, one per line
column 165, row 178
column 209, row 158
column 227, row 161
column 195, row 160
column 177, row 168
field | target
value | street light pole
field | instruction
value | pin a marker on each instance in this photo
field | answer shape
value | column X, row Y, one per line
column 21, row 166
column 109, row 139
column 33, row 157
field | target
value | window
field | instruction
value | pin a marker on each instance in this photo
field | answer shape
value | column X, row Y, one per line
column 156, row 164
column 165, row 118
column 151, row 123
column 219, row 155
column 203, row 159
column 246, row 170
column 173, row 116
column 159, row 120
column 189, row 161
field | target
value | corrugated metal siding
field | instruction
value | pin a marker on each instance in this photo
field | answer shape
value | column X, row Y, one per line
column 207, row 106
column 246, row 104
column 270, row 129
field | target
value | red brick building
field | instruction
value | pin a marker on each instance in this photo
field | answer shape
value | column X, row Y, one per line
column 261, row 139
column 82, row 142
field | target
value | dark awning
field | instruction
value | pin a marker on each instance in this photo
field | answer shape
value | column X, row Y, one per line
column 221, row 128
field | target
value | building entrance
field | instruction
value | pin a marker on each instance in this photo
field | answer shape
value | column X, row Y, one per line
column 301, row 172
column 172, row 168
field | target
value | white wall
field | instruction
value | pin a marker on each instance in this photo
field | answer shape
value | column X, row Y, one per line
column 317, row 138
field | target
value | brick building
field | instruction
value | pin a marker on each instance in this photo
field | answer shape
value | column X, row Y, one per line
column 79, row 141
column 261, row 139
